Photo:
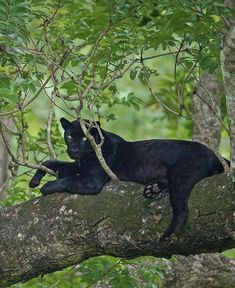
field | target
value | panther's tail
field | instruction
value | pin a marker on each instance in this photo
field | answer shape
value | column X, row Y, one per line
column 219, row 166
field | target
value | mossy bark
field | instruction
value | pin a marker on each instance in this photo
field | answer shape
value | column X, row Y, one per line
column 200, row 271
column 53, row 232
column 206, row 270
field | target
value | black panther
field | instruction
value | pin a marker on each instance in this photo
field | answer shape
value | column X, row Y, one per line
column 161, row 165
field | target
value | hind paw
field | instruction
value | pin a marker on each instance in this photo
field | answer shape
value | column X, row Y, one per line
column 151, row 191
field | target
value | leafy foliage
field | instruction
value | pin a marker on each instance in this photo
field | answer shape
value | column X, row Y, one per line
column 106, row 271
column 12, row 24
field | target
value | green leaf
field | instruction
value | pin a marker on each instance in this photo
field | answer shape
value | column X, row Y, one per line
column 70, row 86
column 133, row 74
column 5, row 82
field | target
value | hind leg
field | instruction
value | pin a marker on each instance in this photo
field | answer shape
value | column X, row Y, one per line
column 179, row 199
column 179, row 217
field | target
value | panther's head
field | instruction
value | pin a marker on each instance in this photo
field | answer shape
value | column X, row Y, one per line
column 78, row 146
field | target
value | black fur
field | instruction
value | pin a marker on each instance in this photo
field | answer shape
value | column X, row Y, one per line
column 162, row 165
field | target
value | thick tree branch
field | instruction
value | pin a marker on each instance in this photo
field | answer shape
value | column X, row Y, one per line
column 203, row 270
column 49, row 233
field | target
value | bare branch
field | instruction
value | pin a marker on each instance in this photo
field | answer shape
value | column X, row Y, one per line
column 162, row 54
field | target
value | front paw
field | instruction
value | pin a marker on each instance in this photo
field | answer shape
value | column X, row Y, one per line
column 55, row 186
column 36, row 179
column 45, row 189
column 34, row 182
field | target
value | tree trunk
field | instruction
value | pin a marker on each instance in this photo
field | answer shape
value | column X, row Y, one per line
column 228, row 67
column 53, row 232
column 206, row 111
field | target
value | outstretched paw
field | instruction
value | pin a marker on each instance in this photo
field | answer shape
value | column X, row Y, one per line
column 34, row 182
column 151, row 191
column 59, row 185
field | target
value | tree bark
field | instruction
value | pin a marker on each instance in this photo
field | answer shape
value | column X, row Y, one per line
column 228, row 68
column 206, row 111
column 199, row 271
column 204, row 271
column 53, row 232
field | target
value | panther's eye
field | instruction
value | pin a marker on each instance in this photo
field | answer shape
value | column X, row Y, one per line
column 84, row 138
column 69, row 137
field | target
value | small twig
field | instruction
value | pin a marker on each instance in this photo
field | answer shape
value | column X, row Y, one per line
column 32, row 51
column 162, row 54
column 47, row 22
column 117, row 75
column 55, row 104
column 10, row 130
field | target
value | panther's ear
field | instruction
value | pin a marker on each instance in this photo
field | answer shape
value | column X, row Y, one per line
column 98, row 123
column 65, row 123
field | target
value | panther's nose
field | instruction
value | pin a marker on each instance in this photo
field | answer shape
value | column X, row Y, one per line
column 73, row 153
